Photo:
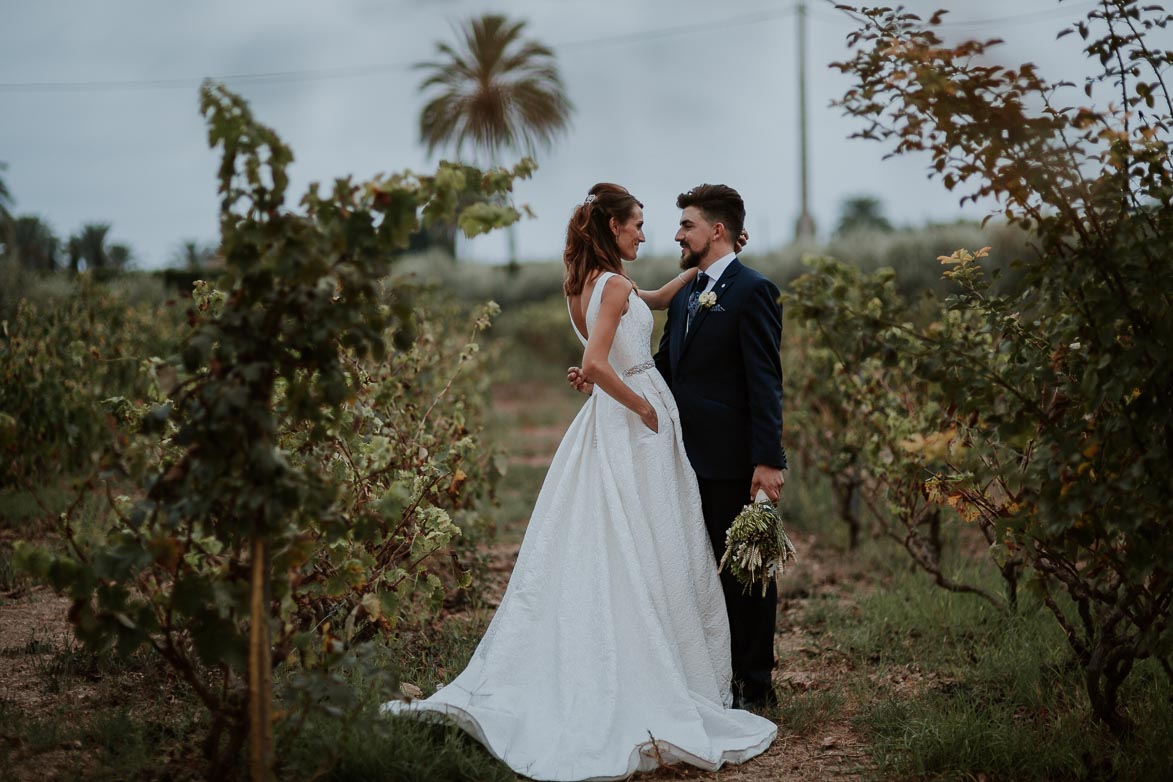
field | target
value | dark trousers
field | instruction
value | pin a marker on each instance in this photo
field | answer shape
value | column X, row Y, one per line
column 752, row 617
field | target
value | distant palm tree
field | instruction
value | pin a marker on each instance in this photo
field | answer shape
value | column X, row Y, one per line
column 862, row 213
column 33, row 244
column 89, row 245
column 5, row 214
column 120, row 256
column 494, row 92
column 193, row 256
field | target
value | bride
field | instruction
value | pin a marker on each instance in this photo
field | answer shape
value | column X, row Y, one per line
column 609, row 653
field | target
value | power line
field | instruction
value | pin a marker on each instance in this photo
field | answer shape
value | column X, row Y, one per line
column 379, row 69
column 187, row 82
column 1024, row 18
column 699, row 27
column 359, row 71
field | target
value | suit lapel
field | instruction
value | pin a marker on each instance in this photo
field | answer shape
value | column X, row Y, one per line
column 728, row 278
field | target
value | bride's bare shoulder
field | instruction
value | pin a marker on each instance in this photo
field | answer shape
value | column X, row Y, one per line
column 616, row 289
column 618, row 282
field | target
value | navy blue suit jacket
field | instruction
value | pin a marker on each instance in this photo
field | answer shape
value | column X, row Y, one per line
column 726, row 375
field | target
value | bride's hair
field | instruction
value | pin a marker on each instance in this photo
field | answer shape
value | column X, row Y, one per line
column 590, row 245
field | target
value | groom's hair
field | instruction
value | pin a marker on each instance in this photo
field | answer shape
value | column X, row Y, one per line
column 719, row 204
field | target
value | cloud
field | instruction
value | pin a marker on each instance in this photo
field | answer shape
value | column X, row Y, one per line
column 668, row 93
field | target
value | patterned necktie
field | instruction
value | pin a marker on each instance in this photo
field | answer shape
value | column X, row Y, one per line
column 694, row 298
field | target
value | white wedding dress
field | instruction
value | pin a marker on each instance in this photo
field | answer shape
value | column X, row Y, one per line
column 609, row 653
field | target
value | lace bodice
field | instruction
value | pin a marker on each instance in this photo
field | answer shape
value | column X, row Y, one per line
column 631, row 347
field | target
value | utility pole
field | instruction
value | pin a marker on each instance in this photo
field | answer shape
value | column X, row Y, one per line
column 804, row 229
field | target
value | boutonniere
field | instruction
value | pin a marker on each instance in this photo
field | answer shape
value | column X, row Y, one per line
column 708, row 300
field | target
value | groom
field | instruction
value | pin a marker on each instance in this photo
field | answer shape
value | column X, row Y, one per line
column 719, row 355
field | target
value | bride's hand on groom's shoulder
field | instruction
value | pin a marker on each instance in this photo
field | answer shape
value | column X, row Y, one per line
column 579, row 381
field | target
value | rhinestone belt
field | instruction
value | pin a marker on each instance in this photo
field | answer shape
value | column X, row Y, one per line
column 638, row 368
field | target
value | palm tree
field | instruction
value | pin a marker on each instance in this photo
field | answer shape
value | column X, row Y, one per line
column 6, row 224
column 120, row 256
column 5, row 197
column 33, row 244
column 90, row 246
column 862, row 213
column 494, row 92
column 193, row 256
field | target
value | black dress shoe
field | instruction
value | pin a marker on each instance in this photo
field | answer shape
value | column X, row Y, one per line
column 762, row 702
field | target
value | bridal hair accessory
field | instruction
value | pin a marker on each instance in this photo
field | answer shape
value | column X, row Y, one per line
column 756, row 546
column 589, row 198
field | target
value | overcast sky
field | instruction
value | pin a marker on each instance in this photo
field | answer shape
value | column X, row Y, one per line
column 100, row 120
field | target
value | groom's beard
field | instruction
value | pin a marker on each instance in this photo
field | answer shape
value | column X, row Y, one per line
column 692, row 258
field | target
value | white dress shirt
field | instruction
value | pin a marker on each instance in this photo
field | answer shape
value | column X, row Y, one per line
column 716, row 269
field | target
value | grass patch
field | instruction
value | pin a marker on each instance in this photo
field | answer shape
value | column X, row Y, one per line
column 134, row 732
column 130, row 744
column 951, row 735
column 516, row 495
column 527, row 420
column 363, row 744
column 953, row 688
column 74, row 662
column 803, row 713
column 433, row 655
column 112, row 744
column 151, row 738
column 536, row 342
column 20, row 511
column 32, row 732
column 10, row 579
column 1002, row 731
column 374, row 747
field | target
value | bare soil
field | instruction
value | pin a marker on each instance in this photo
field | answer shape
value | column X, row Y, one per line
column 34, row 631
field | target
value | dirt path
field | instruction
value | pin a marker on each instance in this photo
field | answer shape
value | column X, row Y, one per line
column 816, row 738
column 820, row 747
column 817, row 743
column 33, row 630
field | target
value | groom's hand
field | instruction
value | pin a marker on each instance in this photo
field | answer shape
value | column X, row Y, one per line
column 579, row 381
column 768, row 479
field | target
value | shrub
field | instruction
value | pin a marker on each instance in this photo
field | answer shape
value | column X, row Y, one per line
column 304, row 456
column 1059, row 389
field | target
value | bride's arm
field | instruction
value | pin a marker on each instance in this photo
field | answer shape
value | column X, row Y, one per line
column 598, row 347
column 660, row 298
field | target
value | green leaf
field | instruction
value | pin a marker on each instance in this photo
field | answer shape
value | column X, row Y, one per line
column 480, row 218
column 191, row 594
